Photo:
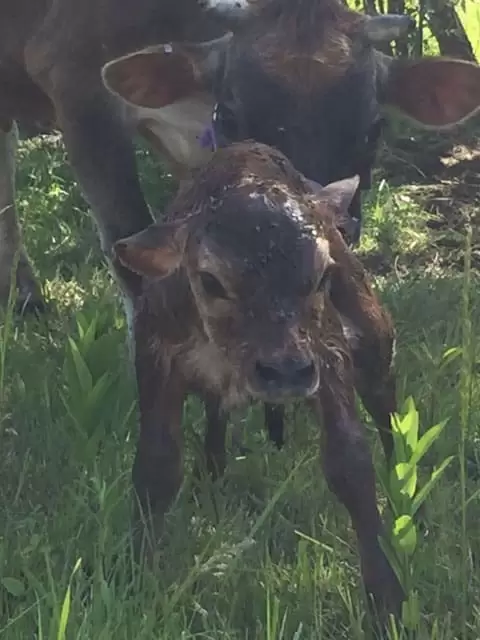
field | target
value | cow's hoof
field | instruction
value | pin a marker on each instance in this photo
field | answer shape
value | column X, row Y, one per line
column 28, row 295
column 30, row 306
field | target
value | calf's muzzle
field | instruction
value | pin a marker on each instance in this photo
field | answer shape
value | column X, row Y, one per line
column 284, row 377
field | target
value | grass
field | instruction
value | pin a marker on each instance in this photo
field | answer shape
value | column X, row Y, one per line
column 269, row 553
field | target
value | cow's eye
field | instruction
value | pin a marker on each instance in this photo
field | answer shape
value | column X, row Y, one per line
column 212, row 286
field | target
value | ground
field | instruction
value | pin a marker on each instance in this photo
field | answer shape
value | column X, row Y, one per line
column 268, row 553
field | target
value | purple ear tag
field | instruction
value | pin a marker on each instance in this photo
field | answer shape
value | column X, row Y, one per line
column 208, row 138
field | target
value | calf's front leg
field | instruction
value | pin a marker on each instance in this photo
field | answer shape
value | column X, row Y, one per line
column 350, row 475
column 158, row 467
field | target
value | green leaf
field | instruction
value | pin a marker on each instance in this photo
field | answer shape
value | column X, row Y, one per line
column 65, row 613
column 450, row 355
column 426, row 441
column 399, row 445
column 89, row 336
column 83, row 374
column 406, row 475
column 425, row 490
column 411, row 611
column 473, row 497
column 405, row 534
column 408, row 423
column 13, row 586
column 99, row 391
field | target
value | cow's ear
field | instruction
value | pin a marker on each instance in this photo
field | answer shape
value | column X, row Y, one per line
column 161, row 75
column 435, row 92
column 154, row 252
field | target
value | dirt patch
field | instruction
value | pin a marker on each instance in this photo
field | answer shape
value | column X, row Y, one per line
column 442, row 173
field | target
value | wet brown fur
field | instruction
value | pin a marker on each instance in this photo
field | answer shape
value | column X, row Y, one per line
column 176, row 356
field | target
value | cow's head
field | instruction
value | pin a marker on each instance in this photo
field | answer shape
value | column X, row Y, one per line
column 254, row 251
column 302, row 76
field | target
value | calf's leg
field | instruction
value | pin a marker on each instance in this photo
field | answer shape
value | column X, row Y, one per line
column 158, row 466
column 14, row 262
column 350, row 475
column 275, row 423
column 215, row 433
column 376, row 386
column 370, row 333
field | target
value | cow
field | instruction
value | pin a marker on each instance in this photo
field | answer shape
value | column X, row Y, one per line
column 300, row 75
column 249, row 292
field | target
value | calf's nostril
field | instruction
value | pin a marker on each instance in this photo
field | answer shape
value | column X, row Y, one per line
column 305, row 374
column 289, row 372
column 268, row 373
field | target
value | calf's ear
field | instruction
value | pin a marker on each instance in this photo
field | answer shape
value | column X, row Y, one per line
column 154, row 252
column 338, row 197
column 158, row 76
column 436, row 93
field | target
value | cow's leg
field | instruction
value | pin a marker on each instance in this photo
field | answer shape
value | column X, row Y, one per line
column 158, row 466
column 101, row 152
column 275, row 423
column 350, row 475
column 12, row 253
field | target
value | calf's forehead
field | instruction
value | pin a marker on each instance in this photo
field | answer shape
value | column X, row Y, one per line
column 261, row 243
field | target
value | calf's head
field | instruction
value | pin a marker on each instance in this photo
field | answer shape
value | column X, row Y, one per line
column 257, row 263
column 302, row 76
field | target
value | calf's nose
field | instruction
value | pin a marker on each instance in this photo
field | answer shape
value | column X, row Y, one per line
column 285, row 374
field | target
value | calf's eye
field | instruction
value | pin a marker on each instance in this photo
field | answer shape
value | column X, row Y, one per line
column 212, row 286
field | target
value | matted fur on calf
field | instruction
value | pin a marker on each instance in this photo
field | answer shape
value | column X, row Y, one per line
column 250, row 293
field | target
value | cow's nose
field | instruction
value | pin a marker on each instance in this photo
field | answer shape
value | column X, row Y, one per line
column 285, row 374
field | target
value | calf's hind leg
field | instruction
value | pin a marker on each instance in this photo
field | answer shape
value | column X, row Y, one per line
column 14, row 262
column 370, row 334
column 275, row 423
column 214, row 444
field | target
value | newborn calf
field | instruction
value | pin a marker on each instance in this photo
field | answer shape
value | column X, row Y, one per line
column 250, row 293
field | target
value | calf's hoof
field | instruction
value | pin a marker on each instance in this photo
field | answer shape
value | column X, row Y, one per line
column 385, row 596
